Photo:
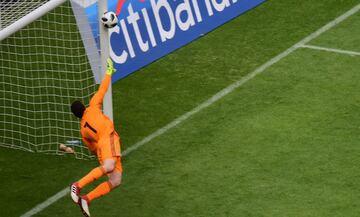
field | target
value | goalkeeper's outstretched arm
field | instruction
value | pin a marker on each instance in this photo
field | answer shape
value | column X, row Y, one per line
column 97, row 99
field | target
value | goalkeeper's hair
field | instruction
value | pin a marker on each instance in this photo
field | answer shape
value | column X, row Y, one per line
column 78, row 108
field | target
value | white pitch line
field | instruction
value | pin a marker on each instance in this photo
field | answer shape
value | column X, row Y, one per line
column 348, row 52
column 38, row 208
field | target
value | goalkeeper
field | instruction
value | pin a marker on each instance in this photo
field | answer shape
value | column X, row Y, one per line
column 98, row 133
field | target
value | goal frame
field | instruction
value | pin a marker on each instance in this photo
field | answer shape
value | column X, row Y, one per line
column 104, row 40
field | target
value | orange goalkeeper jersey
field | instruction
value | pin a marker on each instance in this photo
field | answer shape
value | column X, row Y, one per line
column 94, row 125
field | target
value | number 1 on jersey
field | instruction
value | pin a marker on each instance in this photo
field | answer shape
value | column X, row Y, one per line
column 90, row 127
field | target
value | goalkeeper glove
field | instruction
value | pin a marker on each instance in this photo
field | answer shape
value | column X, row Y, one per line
column 110, row 67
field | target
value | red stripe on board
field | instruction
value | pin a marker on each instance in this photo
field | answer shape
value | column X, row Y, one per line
column 119, row 6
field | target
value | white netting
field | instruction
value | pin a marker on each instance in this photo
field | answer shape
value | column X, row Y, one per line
column 43, row 68
column 12, row 10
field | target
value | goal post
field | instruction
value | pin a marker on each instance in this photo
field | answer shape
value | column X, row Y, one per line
column 44, row 66
column 104, row 47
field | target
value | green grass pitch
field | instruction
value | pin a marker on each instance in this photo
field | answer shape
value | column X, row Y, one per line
column 287, row 143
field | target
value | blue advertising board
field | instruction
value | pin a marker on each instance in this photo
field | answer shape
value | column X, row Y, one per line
column 150, row 29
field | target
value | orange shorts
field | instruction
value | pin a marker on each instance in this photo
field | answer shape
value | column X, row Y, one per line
column 109, row 148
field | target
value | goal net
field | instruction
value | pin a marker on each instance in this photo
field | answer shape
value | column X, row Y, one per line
column 43, row 68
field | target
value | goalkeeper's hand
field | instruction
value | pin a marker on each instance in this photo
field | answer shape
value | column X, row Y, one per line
column 110, row 67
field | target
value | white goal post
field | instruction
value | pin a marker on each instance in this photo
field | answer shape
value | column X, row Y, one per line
column 48, row 58
column 104, row 44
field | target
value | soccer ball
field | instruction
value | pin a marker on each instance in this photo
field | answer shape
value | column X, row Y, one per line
column 109, row 19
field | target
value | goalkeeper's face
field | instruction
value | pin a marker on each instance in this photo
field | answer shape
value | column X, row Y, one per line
column 77, row 108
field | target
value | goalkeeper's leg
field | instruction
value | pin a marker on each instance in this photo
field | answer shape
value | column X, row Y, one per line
column 106, row 167
column 109, row 158
column 90, row 177
column 115, row 173
column 111, row 154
